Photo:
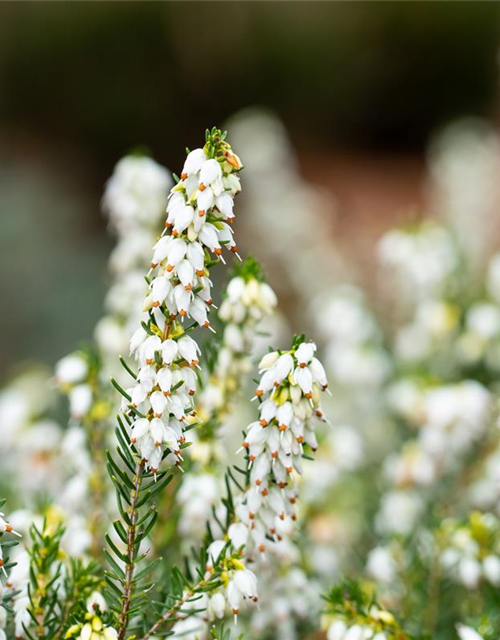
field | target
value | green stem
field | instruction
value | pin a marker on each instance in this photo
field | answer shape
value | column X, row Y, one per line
column 128, row 586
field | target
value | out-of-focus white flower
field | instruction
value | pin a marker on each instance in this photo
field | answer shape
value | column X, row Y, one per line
column 468, row 633
column 381, row 565
column 354, row 352
column 71, row 369
column 399, row 512
column 137, row 192
column 471, row 551
column 464, row 167
column 421, row 261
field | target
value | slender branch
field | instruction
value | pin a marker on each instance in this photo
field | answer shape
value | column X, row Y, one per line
column 131, row 543
column 170, row 612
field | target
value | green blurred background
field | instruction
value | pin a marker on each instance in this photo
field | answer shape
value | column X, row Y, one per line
column 360, row 86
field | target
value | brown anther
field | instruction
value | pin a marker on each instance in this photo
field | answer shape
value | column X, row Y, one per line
column 182, row 312
column 149, row 361
column 188, row 286
column 309, row 395
column 272, row 531
column 194, row 363
column 175, row 233
column 251, row 458
column 170, row 267
column 281, row 485
column 8, row 528
column 289, row 469
column 302, row 365
column 1, row 562
column 155, row 304
column 184, row 176
column 168, row 225
column 300, row 439
column 210, row 302
column 258, row 482
column 259, row 393
column 245, row 444
column 154, row 265
column 281, row 516
column 206, row 324
column 234, row 249
column 182, row 440
column 319, row 414
column 154, row 469
column 201, row 213
column 255, row 599
column 263, row 422
column 274, row 454
column 158, row 415
column 166, row 393
column 324, row 387
column 235, row 611
column 282, row 427
column 133, row 440
column 157, row 443
column 280, row 538
column 200, row 272
column 218, row 251
column 202, row 187
column 262, row 548
column 191, row 392
column 293, row 500
column 294, row 517
column 276, row 384
column 251, row 515
column 265, row 492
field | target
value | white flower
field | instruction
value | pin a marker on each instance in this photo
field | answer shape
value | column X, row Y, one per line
column 96, row 602
column 381, row 565
column 469, row 570
column 136, row 193
column 491, row 568
column 71, row 369
column 80, row 400
column 468, row 633
column 337, row 630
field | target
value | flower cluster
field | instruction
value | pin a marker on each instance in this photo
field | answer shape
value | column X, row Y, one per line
column 471, row 551
column 8, row 596
column 403, row 252
column 5, row 528
column 289, row 395
column 354, row 614
column 180, row 287
column 92, row 629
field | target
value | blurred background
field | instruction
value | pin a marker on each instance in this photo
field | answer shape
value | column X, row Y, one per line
column 362, row 90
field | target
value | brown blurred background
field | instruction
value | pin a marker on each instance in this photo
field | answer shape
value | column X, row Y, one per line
column 361, row 88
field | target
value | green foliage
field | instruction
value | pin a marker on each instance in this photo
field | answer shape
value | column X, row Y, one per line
column 356, row 604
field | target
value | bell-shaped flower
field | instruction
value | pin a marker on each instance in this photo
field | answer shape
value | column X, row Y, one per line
column 210, row 171
column 193, row 162
column 305, row 353
column 189, row 350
